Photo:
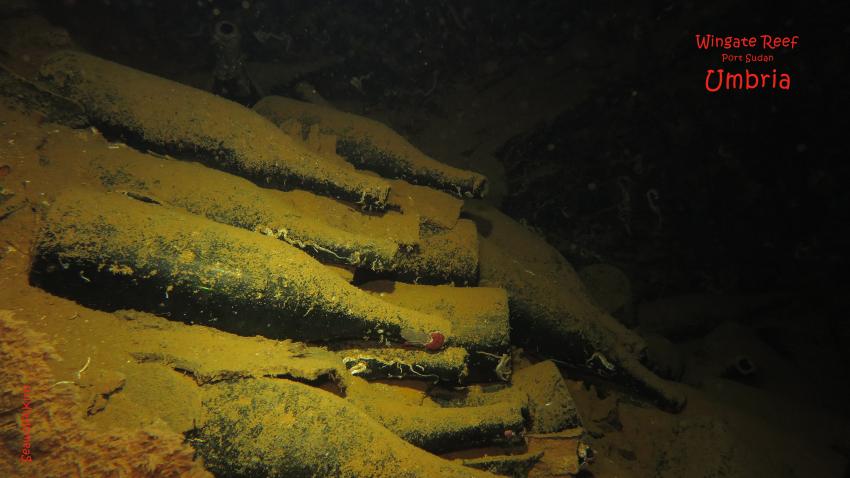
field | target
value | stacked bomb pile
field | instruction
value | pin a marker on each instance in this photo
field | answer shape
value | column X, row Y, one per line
column 277, row 234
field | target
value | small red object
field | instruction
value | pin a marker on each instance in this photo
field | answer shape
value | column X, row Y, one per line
column 436, row 341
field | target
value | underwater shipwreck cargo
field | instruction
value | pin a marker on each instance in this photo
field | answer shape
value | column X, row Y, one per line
column 437, row 209
column 172, row 118
column 599, row 345
column 450, row 366
column 448, row 256
column 539, row 390
column 484, row 244
column 239, row 437
column 389, row 243
column 372, row 145
column 235, row 256
column 418, row 419
column 55, row 108
column 114, row 252
column 551, row 309
column 328, row 230
column 478, row 350
column 438, row 429
column 480, row 326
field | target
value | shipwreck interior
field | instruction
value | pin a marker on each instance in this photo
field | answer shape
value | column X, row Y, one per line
column 410, row 238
